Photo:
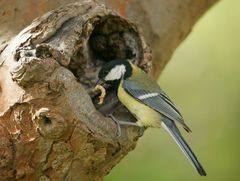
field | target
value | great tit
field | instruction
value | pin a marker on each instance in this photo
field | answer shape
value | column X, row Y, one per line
column 146, row 101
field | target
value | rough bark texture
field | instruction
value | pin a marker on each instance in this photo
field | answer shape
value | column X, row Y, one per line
column 165, row 23
column 49, row 126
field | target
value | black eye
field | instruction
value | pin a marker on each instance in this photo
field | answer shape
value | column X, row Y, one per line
column 105, row 72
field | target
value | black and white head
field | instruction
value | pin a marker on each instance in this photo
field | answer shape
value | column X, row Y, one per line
column 115, row 70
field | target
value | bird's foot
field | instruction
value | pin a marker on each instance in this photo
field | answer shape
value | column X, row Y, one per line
column 125, row 123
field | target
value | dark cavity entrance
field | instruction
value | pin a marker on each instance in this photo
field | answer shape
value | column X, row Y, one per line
column 114, row 38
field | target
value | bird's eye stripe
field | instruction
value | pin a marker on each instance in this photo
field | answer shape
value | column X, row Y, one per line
column 146, row 96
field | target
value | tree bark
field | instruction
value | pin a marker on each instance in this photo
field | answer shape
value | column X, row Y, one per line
column 51, row 126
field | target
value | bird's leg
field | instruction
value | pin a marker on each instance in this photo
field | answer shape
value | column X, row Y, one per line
column 119, row 131
column 124, row 123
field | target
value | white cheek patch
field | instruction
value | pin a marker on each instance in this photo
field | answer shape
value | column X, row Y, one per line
column 116, row 73
column 146, row 96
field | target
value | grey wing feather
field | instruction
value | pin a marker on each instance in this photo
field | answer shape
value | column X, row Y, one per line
column 160, row 103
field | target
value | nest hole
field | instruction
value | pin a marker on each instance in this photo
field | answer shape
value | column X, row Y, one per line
column 114, row 38
column 106, row 38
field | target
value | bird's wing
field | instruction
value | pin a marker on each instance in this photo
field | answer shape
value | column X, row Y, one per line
column 149, row 93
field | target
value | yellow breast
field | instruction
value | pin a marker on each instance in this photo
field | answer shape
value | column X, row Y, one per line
column 146, row 116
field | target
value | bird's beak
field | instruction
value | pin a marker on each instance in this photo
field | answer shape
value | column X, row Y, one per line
column 100, row 82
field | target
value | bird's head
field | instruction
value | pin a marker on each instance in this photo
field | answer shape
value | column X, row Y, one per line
column 112, row 72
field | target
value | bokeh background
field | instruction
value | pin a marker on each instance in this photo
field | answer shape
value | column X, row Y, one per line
column 203, row 79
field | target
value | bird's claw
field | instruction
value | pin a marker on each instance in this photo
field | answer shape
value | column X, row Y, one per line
column 119, row 123
column 119, row 131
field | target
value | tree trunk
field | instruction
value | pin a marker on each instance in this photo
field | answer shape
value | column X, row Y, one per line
column 51, row 125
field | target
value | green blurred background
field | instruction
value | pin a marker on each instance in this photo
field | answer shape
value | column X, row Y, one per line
column 203, row 79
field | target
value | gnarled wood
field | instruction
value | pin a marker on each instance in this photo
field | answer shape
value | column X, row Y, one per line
column 51, row 128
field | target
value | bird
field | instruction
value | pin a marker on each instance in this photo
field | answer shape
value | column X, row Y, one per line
column 147, row 102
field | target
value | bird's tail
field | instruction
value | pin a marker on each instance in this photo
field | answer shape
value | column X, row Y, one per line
column 172, row 129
